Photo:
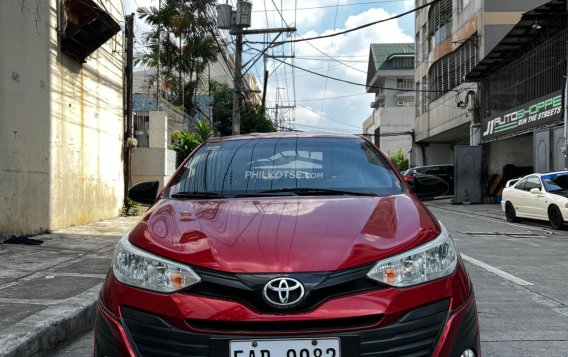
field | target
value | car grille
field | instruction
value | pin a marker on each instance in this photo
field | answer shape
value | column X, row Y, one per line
column 247, row 288
column 415, row 334
column 286, row 326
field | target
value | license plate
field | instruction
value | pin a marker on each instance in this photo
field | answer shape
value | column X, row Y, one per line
column 309, row 347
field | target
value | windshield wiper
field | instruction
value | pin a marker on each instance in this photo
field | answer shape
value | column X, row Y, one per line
column 307, row 191
column 196, row 194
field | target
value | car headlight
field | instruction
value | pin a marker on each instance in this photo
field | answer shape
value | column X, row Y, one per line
column 136, row 267
column 431, row 261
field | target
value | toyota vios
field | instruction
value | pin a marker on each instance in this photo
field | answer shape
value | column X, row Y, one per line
column 286, row 245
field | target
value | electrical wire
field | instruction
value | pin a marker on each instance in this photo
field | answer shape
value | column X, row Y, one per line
column 329, row 6
column 365, row 85
column 325, row 116
column 355, row 28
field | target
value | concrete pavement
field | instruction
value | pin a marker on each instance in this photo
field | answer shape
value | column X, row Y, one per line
column 487, row 210
column 48, row 292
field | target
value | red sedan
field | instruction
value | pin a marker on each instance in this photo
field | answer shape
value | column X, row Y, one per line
column 286, row 245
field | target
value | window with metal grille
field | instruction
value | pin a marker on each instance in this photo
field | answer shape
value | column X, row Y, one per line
column 536, row 74
column 439, row 23
column 418, row 99
column 424, row 94
column 404, row 83
column 449, row 71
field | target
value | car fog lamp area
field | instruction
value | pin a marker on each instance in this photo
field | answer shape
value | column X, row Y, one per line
column 434, row 260
column 136, row 267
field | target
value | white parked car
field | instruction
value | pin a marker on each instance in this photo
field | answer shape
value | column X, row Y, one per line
column 537, row 196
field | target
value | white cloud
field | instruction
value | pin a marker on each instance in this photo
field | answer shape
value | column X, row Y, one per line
column 353, row 46
column 315, row 19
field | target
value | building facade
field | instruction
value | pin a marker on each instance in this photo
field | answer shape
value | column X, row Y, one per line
column 61, row 114
column 452, row 36
column 390, row 76
column 521, row 86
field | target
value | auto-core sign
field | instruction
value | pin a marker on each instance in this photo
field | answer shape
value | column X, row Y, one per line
column 538, row 112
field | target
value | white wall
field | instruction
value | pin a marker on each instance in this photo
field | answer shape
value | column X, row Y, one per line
column 87, row 126
column 61, row 124
column 24, row 117
column 395, row 121
column 152, row 164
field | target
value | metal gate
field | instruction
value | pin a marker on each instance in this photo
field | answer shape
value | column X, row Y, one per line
column 558, row 158
column 468, row 184
column 541, row 150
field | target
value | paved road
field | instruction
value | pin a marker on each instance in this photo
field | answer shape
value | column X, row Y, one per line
column 519, row 275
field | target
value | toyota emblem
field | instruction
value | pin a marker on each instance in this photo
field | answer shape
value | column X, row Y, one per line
column 283, row 292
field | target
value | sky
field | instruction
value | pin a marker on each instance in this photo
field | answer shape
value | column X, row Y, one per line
column 320, row 104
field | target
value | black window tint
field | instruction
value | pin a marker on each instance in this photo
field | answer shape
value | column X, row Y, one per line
column 256, row 165
column 532, row 182
column 521, row 184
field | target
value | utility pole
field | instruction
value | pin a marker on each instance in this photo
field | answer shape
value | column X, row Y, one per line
column 128, row 135
column 159, row 44
column 236, row 21
column 237, row 86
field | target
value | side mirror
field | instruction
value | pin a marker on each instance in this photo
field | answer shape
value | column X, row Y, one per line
column 144, row 192
column 535, row 191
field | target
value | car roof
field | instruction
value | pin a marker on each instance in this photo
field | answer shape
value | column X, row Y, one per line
column 544, row 174
column 278, row 135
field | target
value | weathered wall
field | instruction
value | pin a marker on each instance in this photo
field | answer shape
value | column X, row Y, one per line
column 61, row 124
column 517, row 151
column 86, row 130
column 24, row 117
column 395, row 122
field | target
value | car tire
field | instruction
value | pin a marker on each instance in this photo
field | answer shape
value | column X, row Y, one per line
column 555, row 217
column 510, row 213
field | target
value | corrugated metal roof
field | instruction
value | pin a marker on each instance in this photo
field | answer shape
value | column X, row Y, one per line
column 380, row 53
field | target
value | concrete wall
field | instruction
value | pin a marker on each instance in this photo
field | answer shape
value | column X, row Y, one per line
column 158, row 130
column 439, row 154
column 153, row 164
column 24, row 117
column 443, row 115
column 157, row 162
column 517, row 151
column 86, row 130
column 397, row 120
column 61, row 124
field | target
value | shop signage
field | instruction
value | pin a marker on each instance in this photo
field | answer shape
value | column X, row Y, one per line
column 541, row 111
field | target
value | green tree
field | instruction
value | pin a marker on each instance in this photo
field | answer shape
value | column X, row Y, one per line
column 186, row 46
column 253, row 118
column 399, row 160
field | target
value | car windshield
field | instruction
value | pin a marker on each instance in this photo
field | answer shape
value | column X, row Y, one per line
column 555, row 182
column 285, row 166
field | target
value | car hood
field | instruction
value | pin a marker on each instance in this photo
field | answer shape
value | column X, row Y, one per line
column 284, row 234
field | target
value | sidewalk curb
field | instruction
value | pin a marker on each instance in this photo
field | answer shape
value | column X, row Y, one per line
column 44, row 333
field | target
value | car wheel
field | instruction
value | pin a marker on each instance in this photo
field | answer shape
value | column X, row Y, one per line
column 555, row 217
column 510, row 212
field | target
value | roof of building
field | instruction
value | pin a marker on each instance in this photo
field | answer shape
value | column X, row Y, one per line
column 382, row 52
column 525, row 35
column 380, row 56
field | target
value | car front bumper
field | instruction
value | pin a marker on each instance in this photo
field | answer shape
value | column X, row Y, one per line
column 434, row 319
